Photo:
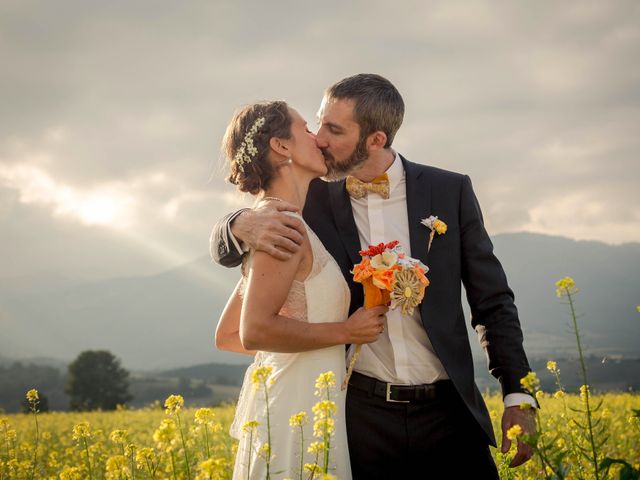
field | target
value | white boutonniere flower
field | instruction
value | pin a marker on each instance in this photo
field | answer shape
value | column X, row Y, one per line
column 436, row 225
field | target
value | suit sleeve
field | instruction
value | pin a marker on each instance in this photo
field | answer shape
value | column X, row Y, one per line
column 493, row 312
column 223, row 247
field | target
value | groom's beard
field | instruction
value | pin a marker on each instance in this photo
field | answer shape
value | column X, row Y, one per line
column 339, row 170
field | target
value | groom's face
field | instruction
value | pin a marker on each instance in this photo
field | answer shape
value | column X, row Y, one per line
column 339, row 138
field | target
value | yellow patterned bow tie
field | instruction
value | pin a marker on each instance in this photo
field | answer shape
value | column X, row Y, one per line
column 358, row 189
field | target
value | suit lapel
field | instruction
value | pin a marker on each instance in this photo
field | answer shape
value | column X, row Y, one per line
column 418, row 207
column 347, row 230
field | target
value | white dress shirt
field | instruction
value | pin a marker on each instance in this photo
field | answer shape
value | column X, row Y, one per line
column 403, row 353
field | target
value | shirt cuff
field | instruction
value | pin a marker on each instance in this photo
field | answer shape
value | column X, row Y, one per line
column 241, row 248
column 516, row 399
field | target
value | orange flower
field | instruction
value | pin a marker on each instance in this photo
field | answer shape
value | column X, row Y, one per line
column 421, row 276
column 362, row 270
column 383, row 279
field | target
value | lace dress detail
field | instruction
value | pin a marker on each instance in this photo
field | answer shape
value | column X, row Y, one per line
column 322, row 297
column 295, row 306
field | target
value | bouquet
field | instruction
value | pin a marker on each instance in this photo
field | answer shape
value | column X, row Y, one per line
column 389, row 277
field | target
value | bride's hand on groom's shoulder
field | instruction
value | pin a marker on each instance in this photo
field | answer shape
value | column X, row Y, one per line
column 268, row 228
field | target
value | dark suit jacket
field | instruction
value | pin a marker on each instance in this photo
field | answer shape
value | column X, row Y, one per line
column 463, row 255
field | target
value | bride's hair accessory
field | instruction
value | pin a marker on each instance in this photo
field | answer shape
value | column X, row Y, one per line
column 247, row 149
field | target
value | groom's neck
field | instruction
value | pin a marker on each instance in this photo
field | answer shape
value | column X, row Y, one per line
column 377, row 164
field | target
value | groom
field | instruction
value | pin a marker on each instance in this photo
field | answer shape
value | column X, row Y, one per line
column 412, row 404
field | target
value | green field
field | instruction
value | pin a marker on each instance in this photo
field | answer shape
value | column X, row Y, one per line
column 147, row 451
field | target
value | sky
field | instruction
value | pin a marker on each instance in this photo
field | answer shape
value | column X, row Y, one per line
column 112, row 114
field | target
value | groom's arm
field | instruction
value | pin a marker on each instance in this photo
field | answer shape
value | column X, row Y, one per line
column 223, row 246
column 266, row 228
column 493, row 312
column 494, row 315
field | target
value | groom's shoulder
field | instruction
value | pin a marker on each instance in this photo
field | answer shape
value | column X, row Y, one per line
column 433, row 172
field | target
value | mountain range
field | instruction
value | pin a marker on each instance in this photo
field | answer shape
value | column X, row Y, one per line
column 167, row 320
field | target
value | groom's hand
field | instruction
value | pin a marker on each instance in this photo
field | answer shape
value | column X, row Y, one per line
column 527, row 421
column 269, row 229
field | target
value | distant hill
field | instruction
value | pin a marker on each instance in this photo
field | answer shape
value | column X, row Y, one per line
column 218, row 373
column 167, row 321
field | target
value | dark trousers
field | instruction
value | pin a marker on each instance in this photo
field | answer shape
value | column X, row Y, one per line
column 433, row 439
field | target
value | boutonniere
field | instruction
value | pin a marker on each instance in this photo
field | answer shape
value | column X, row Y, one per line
column 436, row 226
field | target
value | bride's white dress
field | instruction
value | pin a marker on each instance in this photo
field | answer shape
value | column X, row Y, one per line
column 322, row 297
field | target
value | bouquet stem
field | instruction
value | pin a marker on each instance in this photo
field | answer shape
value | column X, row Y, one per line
column 373, row 297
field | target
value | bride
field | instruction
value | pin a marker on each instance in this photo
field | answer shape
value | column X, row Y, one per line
column 292, row 314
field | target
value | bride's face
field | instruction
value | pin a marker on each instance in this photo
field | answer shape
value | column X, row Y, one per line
column 304, row 150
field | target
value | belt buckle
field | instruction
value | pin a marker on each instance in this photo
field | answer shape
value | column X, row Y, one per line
column 389, row 399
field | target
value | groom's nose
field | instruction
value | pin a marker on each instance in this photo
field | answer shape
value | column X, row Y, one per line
column 321, row 140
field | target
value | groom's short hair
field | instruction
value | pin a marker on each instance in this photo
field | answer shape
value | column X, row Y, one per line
column 378, row 104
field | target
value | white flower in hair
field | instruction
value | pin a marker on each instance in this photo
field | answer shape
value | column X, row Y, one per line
column 247, row 149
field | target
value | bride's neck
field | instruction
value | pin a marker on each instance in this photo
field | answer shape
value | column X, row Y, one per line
column 288, row 186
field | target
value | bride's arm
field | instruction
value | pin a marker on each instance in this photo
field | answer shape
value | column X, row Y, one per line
column 228, row 329
column 262, row 328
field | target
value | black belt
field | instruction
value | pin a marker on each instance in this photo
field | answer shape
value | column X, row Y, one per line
column 401, row 393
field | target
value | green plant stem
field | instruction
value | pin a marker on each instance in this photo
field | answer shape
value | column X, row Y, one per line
column 249, row 454
column 86, row 449
column 184, row 447
column 268, row 459
column 206, row 440
column 586, row 383
column 173, row 466
column 327, row 439
column 35, row 450
column 301, row 451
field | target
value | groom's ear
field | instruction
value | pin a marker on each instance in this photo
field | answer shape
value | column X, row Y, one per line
column 376, row 141
column 279, row 146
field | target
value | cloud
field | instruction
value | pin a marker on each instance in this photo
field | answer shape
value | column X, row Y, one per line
column 113, row 113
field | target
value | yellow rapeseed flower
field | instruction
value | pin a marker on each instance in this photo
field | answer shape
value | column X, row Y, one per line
column 324, row 408
column 328, row 476
column 316, row 447
column 298, row 419
column 312, row 468
column 145, row 457
column 81, row 430
column 530, row 382
column 71, row 473
column 323, row 426
column 204, row 416
column 265, row 450
column 247, row 427
column 539, row 395
column 584, row 392
column 552, row 367
column 173, row 404
column 261, row 374
column 32, row 396
column 118, row 436
column 326, row 380
column 166, row 432
column 514, row 432
column 116, row 468
column 558, row 394
column 566, row 286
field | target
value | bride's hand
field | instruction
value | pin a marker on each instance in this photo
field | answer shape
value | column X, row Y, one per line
column 366, row 324
column 269, row 229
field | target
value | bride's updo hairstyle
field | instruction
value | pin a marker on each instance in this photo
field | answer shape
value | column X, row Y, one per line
column 246, row 143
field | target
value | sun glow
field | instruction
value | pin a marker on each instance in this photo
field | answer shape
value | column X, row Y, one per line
column 104, row 205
